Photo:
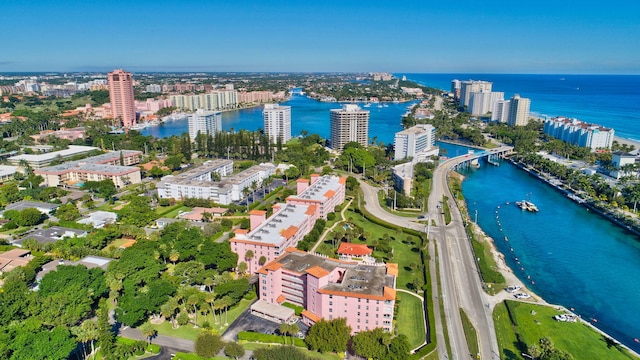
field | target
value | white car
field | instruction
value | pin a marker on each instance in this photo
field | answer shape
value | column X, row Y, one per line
column 512, row 288
column 522, row 296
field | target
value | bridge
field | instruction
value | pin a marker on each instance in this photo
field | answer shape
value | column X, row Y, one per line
column 491, row 156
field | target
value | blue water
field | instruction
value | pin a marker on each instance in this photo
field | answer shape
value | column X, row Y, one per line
column 306, row 114
column 608, row 100
column 566, row 254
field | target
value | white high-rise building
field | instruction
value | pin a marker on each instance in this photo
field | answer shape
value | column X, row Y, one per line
column 349, row 124
column 500, row 112
column 470, row 86
column 519, row 111
column 277, row 122
column 413, row 140
column 484, row 101
column 205, row 122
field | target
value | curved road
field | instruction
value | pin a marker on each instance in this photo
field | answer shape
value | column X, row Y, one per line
column 460, row 281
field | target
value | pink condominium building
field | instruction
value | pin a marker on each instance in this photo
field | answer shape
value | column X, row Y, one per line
column 269, row 238
column 123, row 104
column 328, row 289
column 325, row 191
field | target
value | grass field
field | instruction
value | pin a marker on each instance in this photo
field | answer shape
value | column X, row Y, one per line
column 312, row 354
column 529, row 323
column 409, row 318
column 403, row 254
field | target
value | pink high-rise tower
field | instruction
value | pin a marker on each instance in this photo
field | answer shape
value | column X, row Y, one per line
column 121, row 96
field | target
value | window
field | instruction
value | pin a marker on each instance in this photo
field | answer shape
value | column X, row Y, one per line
column 330, row 303
column 358, row 307
column 330, row 296
column 367, row 308
column 330, row 310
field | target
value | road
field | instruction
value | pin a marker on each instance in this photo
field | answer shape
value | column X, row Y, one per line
column 459, row 278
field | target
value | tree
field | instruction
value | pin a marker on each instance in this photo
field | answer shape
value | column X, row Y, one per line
column 234, row 350
column 329, row 336
column 249, row 256
column 67, row 212
column 148, row 331
column 208, row 344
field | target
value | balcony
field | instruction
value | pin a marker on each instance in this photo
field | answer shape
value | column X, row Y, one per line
column 292, row 292
column 292, row 279
column 292, row 286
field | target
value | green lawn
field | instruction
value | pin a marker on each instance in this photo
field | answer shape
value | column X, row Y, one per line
column 403, row 254
column 536, row 321
column 191, row 333
column 171, row 212
column 409, row 318
column 470, row 333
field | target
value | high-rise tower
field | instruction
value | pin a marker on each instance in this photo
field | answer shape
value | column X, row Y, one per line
column 121, row 97
column 277, row 122
column 349, row 124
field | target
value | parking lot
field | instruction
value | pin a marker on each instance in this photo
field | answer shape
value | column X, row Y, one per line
column 248, row 322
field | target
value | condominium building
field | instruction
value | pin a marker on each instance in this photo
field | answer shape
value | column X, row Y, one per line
column 500, row 112
column 455, row 88
column 349, row 124
column 204, row 122
column 121, row 97
column 470, row 86
column 277, row 122
column 114, row 166
column 214, row 100
column 579, row 133
column 213, row 181
column 326, row 192
column 413, row 140
column 36, row 161
column 519, row 111
column 268, row 238
column 363, row 294
column 483, row 102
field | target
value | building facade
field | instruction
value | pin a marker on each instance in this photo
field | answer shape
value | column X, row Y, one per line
column 470, row 86
column 268, row 238
column 215, row 100
column 500, row 112
column 330, row 289
column 413, row 140
column 204, row 122
column 518, row 111
column 277, row 122
column 349, row 124
column 483, row 102
column 121, row 97
column 579, row 133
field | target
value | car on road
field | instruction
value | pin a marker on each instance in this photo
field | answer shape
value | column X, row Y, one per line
column 522, row 296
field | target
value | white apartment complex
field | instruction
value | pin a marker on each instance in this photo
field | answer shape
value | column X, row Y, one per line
column 519, row 111
column 213, row 181
column 413, row 140
column 484, row 102
column 215, row 100
column 277, row 122
column 349, row 124
column 204, row 122
column 579, row 133
column 470, row 86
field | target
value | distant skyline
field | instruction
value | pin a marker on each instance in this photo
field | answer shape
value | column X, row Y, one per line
column 331, row 36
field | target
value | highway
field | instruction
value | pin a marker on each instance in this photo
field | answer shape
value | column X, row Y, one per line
column 459, row 278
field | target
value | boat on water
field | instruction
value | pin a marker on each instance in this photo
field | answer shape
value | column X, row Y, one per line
column 527, row 205
column 367, row 105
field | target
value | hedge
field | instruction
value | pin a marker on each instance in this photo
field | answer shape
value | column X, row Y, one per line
column 269, row 339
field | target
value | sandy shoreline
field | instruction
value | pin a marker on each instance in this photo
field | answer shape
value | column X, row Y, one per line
column 627, row 141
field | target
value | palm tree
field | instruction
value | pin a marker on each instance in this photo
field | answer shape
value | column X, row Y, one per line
column 193, row 301
column 174, row 256
column 249, row 256
column 147, row 331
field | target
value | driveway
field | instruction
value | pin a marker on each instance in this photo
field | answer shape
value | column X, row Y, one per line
column 247, row 322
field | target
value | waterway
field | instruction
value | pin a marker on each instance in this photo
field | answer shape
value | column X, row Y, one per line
column 306, row 115
column 564, row 253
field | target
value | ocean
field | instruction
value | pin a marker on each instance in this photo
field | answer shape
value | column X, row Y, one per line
column 608, row 100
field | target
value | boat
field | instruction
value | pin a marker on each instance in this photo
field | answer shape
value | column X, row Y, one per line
column 527, row 205
column 367, row 105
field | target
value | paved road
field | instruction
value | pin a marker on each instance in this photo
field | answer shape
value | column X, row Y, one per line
column 162, row 340
column 461, row 284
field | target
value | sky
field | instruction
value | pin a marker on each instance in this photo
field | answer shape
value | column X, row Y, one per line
column 421, row 36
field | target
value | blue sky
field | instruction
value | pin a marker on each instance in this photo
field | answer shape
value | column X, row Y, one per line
column 286, row 36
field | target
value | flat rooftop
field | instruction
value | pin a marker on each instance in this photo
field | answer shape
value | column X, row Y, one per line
column 318, row 190
column 71, row 151
column 271, row 230
column 88, row 167
column 357, row 279
column 21, row 205
column 52, row 234
column 207, row 167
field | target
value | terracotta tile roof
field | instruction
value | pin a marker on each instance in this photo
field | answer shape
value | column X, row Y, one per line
column 281, row 299
column 317, row 272
column 311, row 210
column 289, row 232
column 354, row 249
column 311, row 316
column 257, row 212
column 329, row 194
column 273, row 266
column 303, row 181
column 343, row 180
